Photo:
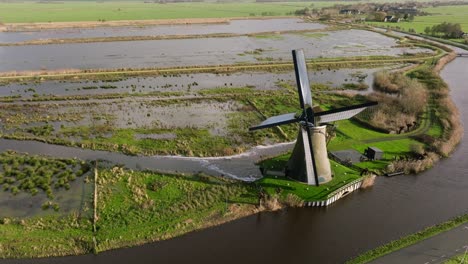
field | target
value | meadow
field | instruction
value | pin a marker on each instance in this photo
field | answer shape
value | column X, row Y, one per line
column 437, row 15
column 28, row 12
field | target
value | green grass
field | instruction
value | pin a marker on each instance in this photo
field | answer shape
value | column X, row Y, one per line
column 188, row 141
column 113, row 10
column 452, row 14
column 138, row 207
column 436, row 130
column 408, row 240
column 342, row 176
column 227, row 90
column 459, row 259
column 269, row 36
column 45, row 236
column 314, row 35
column 353, row 135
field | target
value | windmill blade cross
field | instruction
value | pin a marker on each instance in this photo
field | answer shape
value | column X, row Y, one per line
column 302, row 79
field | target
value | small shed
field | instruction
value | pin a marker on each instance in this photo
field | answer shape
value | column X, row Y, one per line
column 374, row 153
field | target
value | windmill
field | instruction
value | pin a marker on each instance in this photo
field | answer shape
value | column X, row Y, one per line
column 309, row 161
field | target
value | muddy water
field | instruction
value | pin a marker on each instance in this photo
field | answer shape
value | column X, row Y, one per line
column 392, row 208
column 187, row 83
column 234, row 27
column 185, row 52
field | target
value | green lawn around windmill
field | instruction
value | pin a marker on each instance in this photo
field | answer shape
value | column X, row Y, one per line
column 283, row 186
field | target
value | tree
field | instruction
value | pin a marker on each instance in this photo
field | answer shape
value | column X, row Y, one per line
column 303, row 12
column 379, row 16
column 447, row 30
column 427, row 30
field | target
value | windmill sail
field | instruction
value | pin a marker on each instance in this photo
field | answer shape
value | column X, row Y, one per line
column 341, row 113
column 276, row 121
column 302, row 79
column 305, row 98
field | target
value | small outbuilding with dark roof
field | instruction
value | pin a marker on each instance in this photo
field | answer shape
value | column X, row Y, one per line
column 374, row 153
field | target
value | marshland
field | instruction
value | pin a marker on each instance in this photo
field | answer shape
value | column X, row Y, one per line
column 134, row 155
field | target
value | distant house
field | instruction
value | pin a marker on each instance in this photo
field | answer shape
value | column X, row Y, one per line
column 392, row 19
column 388, row 18
column 350, row 12
column 405, row 10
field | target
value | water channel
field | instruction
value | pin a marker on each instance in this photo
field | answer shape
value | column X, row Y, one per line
column 392, row 208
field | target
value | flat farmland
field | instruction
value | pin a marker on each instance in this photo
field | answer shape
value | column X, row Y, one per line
column 452, row 14
column 29, row 12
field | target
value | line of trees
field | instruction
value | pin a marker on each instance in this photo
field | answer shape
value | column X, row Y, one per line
column 447, row 30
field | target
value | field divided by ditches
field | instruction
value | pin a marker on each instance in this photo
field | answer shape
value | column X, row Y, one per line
column 200, row 52
column 227, row 28
column 185, row 84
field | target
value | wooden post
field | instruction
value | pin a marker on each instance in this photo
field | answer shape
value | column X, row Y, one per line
column 95, row 198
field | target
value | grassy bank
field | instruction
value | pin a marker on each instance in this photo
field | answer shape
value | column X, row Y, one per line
column 45, row 236
column 408, row 240
column 460, row 259
column 140, row 207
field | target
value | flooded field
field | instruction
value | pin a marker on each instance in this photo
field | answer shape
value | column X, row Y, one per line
column 25, row 205
column 36, row 186
column 188, row 126
column 234, row 26
column 106, row 116
column 209, row 51
column 187, row 83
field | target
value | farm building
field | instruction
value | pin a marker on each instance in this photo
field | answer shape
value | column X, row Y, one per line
column 373, row 153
